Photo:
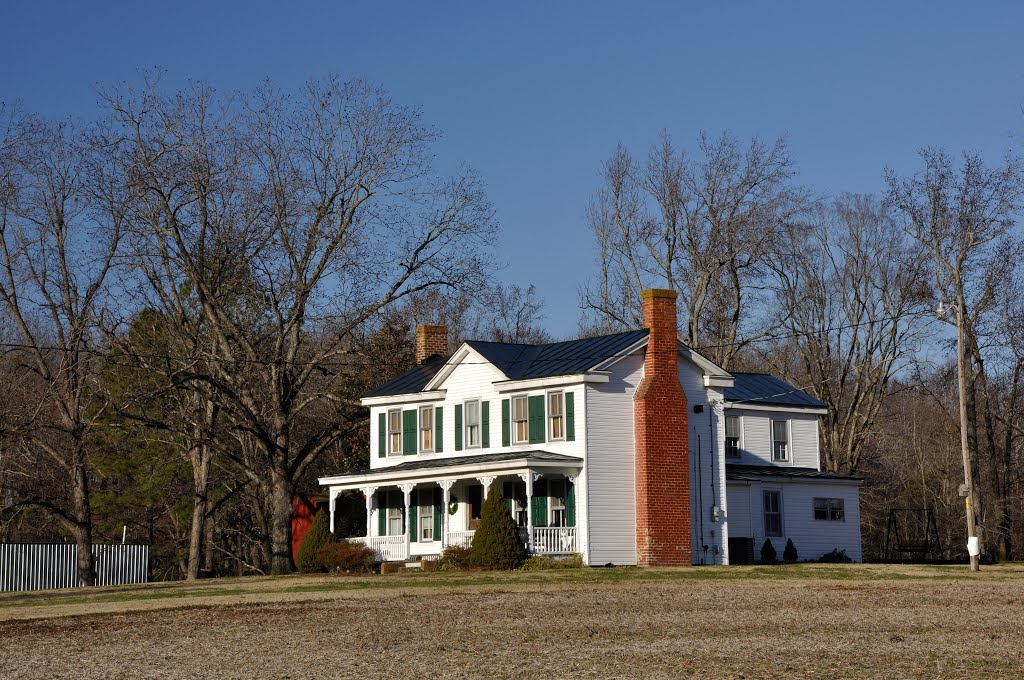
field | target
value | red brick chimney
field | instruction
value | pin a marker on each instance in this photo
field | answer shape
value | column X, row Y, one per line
column 661, row 444
column 431, row 340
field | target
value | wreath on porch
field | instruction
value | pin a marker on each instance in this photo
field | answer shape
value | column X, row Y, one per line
column 453, row 505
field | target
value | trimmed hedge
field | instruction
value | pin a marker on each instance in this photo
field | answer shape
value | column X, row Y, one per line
column 346, row 556
column 496, row 543
column 768, row 554
column 319, row 535
column 789, row 555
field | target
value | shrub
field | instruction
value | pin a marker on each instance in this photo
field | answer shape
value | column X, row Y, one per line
column 789, row 552
column 768, row 554
column 836, row 556
column 541, row 563
column 496, row 543
column 346, row 556
column 454, row 558
column 318, row 535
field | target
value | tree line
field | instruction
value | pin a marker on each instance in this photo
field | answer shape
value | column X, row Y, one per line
column 850, row 297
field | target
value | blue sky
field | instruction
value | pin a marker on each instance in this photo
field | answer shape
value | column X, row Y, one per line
column 536, row 95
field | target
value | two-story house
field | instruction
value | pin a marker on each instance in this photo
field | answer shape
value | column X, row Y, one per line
column 628, row 449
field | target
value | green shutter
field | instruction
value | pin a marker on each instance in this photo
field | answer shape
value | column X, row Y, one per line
column 485, row 424
column 508, row 490
column 409, row 432
column 536, row 416
column 458, row 427
column 382, row 435
column 438, row 430
column 412, row 514
column 539, row 503
column 382, row 513
column 570, row 504
column 570, row 418
column 438, row 509
column 506, row 426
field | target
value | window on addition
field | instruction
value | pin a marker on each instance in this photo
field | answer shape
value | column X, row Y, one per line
column 773, row 513
column 732, row 436
column 829, row 509
column 780, row 440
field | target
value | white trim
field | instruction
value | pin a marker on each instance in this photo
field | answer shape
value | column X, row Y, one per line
column 466, row 445
column 788, row 460
column 548, row 417
column 781, row 513
column 420, row 429
column 725, row 437
column 401, row 432
column 513, row 441
column 742, row 405
column 596, row 377
column 385, row 477
column 453, row 362
column 392, row 399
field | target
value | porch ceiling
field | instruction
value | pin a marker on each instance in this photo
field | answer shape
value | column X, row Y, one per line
column 455, row 467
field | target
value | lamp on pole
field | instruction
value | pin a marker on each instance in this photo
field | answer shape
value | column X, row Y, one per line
column 973, row 549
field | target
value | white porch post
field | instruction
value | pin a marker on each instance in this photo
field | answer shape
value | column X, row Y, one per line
column 528, row 478
column 333, row 500
column 446, row 487
column 407, row 494
column 368, row 492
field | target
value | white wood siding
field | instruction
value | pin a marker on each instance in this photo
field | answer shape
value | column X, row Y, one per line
column 738, row 517
column 610, row 478
column 707, row 481
column 811, row 538
column 756, row 438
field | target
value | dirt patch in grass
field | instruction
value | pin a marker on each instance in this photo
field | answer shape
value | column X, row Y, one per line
column 859, row 622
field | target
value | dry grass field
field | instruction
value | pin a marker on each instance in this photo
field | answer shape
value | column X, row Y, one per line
column 807, row 621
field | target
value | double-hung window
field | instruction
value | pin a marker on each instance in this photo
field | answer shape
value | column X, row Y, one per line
column 520, row 420
column 829, row 509
column 732, row 436
column 426, row 429
column 472, row 423
column 426, row 511
column 556, row 491
column 556, row 416
column 780, row 440
column 396, row 505
column 395, row 432
column 773, row 513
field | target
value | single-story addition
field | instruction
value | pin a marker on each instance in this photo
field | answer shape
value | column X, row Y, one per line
column 628, row 448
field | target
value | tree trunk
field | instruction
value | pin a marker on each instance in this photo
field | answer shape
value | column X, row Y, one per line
column 281, row 523
column 82, row 528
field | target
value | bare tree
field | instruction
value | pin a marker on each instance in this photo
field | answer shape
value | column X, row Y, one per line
column 291, row 223
column 702, row 226
column 964, row 217
column 850, row 290
column 58, row 243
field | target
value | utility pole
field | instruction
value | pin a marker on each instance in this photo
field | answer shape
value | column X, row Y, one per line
column 961, row 369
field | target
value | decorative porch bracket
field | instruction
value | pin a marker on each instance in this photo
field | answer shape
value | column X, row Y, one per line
column 334, row 493
column 486, row 481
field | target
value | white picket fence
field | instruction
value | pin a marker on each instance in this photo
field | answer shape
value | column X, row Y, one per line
column 42, row 566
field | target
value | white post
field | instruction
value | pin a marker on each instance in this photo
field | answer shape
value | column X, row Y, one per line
column 368, row 492
column 528, row 478
column 333, row 500
column 407, row 495
column 446, row 486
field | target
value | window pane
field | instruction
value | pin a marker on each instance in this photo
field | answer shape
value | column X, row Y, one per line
column 555, row 403
column 779, row 433
column 732, row 426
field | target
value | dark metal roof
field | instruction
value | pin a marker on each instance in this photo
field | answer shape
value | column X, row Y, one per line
column 520, row 362
column 760, row 388
column 748, row 473
column 528, row 456
column 413, row 380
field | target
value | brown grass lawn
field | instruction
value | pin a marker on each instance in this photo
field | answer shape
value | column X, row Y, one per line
column 801, row 621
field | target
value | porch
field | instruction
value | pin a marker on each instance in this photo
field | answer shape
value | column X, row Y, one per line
column 415, row 511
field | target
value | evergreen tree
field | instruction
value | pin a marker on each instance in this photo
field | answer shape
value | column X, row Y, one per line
column 496, row 544
column 768, row 554
column 789, row 552
column 319, row 535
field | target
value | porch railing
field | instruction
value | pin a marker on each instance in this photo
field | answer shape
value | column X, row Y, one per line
column 460, row 538
column 388, row 548
column 554, row 540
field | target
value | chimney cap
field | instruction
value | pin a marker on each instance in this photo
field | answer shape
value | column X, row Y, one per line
column 658, row 293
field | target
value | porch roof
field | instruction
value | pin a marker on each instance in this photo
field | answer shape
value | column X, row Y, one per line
column 454, row 467
column 735, row 472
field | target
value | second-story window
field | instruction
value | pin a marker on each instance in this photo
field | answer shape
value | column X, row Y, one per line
column 732, row 436
column 472, row 425
column 556, row 415
column 780, row 440
column 520, row 420
column 395, row 432
column 426, row 429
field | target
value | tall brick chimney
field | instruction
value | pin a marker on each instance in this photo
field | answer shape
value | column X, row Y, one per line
column 431, row 340
column 661, row 443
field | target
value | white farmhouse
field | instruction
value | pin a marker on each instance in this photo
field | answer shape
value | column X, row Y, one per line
column 627, row 449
